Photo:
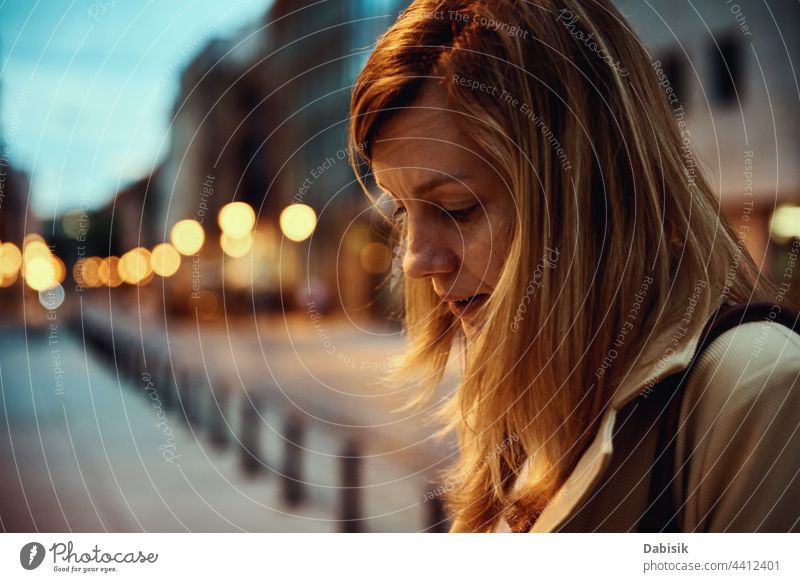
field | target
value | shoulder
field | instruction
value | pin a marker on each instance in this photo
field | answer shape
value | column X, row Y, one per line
column 756, row 363
column 741, row 413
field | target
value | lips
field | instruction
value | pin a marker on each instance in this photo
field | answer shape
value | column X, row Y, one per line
column 467, row 305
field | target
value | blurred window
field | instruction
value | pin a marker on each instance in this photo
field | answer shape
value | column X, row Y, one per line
column 726, row 69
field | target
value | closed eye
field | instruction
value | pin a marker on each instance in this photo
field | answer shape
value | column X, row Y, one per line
column 461, row 215
column 464, row 214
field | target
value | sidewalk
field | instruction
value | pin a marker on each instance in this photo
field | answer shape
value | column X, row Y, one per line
column 86, row 457
column 93, row 454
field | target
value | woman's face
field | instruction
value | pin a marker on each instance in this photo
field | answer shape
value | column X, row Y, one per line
column 458, row 211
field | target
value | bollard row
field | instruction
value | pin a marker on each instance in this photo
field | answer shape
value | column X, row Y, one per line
column 236, row 418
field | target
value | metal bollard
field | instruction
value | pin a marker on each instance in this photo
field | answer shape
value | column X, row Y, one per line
column 293, row 490
column 134, row 363
column 249, row 427
column 218, row 430
column 118, row 358
column 350, row 500
column 176, row 387
column 165, row 385
column 187, row 397
column 125, row 359
column 436, row 516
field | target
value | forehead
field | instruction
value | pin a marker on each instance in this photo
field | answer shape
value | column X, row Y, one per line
column 422, row 139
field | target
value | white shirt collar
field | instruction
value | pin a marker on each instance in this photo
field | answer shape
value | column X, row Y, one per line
column 660, row 359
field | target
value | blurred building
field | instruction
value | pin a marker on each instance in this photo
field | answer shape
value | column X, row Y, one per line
column 16, row 219
column 317, row 52
column 731, row 65
column 209, row 165
column 262, row 119
column 15, row 216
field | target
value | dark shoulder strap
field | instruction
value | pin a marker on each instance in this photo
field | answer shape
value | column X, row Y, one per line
column 667, row 395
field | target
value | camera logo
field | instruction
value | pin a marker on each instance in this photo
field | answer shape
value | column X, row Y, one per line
column 31, row 555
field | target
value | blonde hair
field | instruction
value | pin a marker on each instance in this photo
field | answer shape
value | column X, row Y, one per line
column 595, row 164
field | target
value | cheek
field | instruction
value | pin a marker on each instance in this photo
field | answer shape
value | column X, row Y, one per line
column 499, row 241
column 485, row 251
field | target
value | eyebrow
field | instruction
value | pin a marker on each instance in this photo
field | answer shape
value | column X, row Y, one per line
column 434, row 182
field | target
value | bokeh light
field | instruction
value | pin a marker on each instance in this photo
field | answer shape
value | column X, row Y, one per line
column 298, row 222
column 32, row 237
column 8, row 281
column 108, row 272
column 10, row 260
column 134, row 266
column 34, row 248
column 785, row 223
column 86, row 272
column 187, row 236
column 39, row 268
column 52, row 297
column 236, row 246
column 75, row 224
column 60, row 269
column 39, row 272
column 375, row 258
column 237, row 219
column 206, row 304
column 165, row 260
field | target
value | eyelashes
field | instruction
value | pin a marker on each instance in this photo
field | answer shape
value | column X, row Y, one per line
column 462, row 215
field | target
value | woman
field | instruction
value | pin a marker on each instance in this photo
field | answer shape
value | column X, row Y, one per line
column 550, row 218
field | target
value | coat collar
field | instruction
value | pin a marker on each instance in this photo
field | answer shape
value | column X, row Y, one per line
column 663, row 356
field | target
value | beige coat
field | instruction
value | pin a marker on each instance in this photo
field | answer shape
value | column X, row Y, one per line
column 739, row 441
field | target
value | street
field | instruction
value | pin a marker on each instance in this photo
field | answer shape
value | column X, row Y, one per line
column 273, row 428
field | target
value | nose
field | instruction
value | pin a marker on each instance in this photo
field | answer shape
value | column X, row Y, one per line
column 427, row 253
